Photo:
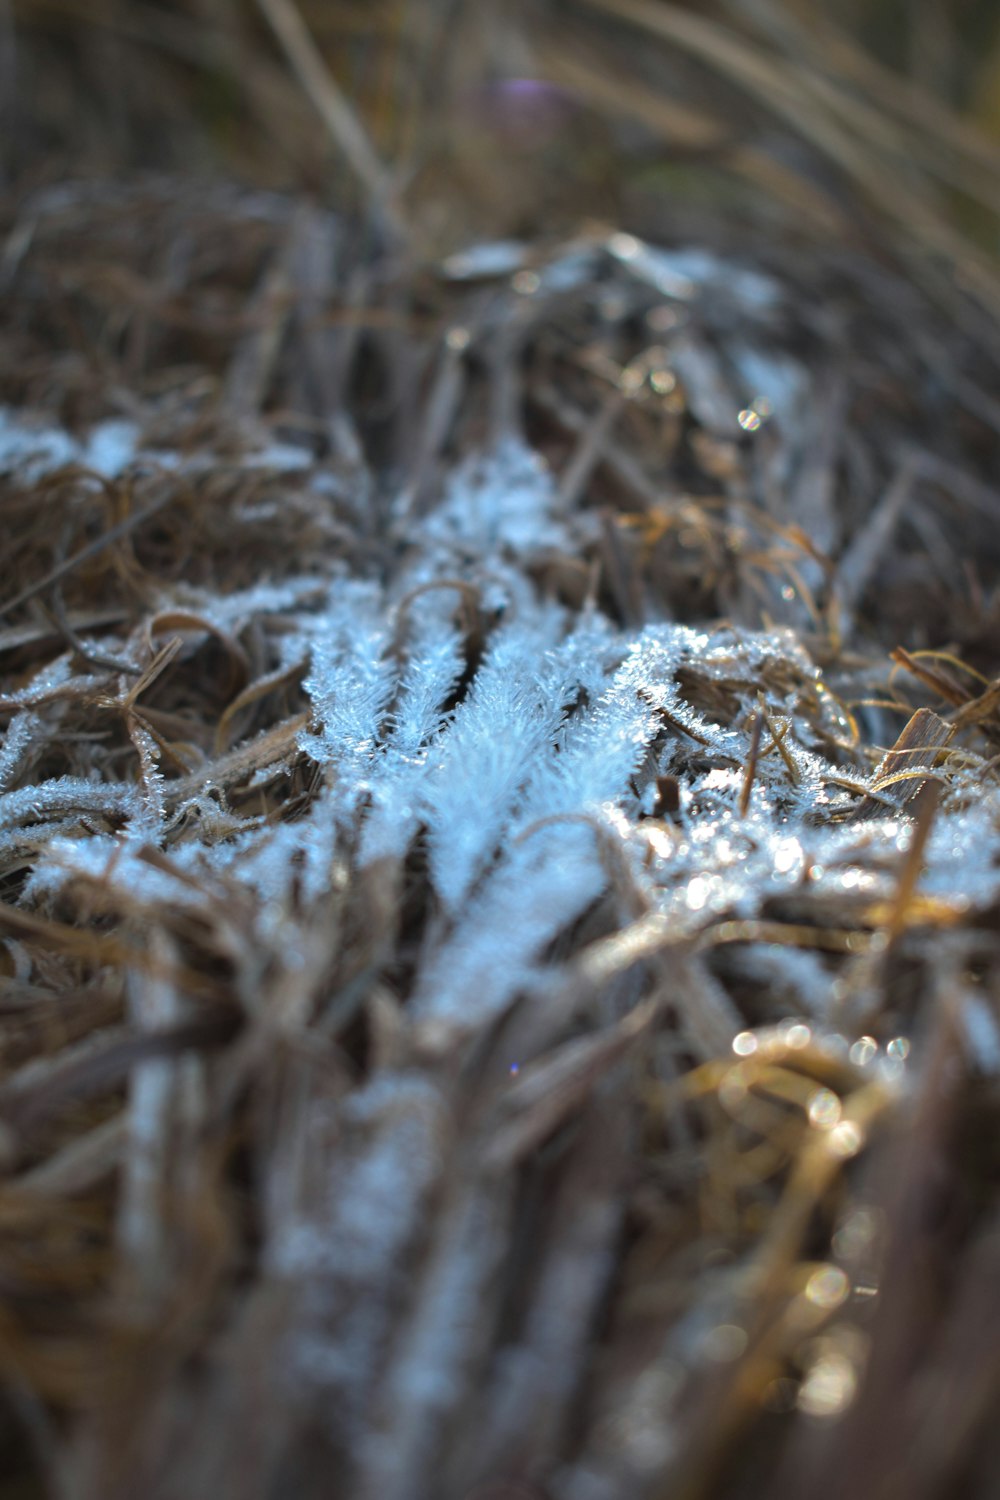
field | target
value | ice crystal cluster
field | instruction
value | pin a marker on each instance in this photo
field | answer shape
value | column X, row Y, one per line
column 528, row 778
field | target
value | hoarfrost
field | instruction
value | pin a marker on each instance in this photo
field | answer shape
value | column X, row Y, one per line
column 34, row 451
column 349, row 1255
column 507, row 723
column 682, row 274
column 503, row 499
column 550, row 756
column 492, row 258
column 231, row 611
column 350, row 682
column 290, row 857
column 546, row 881
column 115, row 863
column 64, row 796
column 433, row 667
column 15, row 751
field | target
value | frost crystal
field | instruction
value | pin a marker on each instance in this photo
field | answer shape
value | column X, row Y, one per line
column 523, row 763
column 350, row 683
column 502, row 500
column 32, row 452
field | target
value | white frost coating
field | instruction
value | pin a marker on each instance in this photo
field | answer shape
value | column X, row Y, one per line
column 442, row 1342
column 350, row 682
column 277, row 861
column 392, row 1127
column 551, row 873
column 44, row 683
column 545, row 882
column 500, row 509
column 279, row 458
column 230, row 611
column 434, row 664
column 508, row 721
column 566, row 719
column 150, row 788
column 501, row 500
column 350, row 1254
column 567, row 272
column 603, row 743
column 433, row 667
column 114, row 863
column 776, row 379
column 285, row 458
column 34, row 451
column 962, row 860
column 492, row 258
column 110, row 448
column 680, row 274
column 66, row 795
column 21, row 731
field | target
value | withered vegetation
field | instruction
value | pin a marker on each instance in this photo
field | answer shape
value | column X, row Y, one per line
column 515, row 1133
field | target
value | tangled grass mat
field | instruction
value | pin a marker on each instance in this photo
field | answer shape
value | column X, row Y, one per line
column 499, row 859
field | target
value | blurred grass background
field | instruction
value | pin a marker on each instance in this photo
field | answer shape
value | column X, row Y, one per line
column 764, row 108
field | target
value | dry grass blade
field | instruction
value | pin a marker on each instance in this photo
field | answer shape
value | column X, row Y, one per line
column 787, row 91
column 345, row 129
column 93, row 549
column 918, row 747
